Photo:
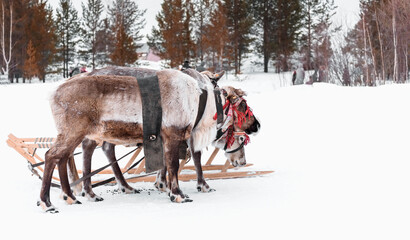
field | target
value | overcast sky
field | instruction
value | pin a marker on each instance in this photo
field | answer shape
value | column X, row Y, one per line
column 346, row 14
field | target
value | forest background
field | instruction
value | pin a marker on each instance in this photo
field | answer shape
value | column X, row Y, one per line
column 38, row 41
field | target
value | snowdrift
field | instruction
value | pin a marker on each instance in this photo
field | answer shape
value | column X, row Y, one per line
column 340, row 155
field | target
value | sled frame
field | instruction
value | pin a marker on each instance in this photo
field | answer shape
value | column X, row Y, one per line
column 27, row 147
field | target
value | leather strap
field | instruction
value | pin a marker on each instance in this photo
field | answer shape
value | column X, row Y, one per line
column 201, row 108
column 219, row 107
column 151, row 120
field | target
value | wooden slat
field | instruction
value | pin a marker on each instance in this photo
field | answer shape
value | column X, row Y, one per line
column 132, row 159
column 212, row 157
column 213, row 167
column 188, row 177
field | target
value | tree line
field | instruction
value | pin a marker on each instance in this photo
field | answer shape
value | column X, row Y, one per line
column 210, row 34
column 220, row 33
column 36, row 40
column 215, row 34
column 377, row 48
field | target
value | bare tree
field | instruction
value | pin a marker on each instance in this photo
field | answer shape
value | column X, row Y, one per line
column 6, row 58
column 394, row 28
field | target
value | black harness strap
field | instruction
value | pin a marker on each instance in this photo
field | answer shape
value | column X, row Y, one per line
column 219, row 107
column 151, row 120
column 201, row 107
column 99, row 169
column 236, row 149
column 113, row 178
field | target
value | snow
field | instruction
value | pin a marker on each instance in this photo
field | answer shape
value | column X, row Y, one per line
column 340, row 156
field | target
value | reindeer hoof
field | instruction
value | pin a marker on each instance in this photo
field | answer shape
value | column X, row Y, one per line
column 179, row 198
column 204, row 188
column 160, row 186
column 69, row 200
column 50, row 209
column 92, row 197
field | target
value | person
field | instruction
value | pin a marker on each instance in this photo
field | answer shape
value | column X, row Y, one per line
column 186, row 65
column 300, row 76
column 83, row 69
column 322, row 74
column 346, row 77
column 293, row 77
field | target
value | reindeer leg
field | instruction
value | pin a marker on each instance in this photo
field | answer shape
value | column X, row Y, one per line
column 172, row 163
column 58, row 154
column 161, row 180
column 67, row 195
column 50, row 164
column 73, row 175
column 89, row 146
column 109, row 151
column 202, row 186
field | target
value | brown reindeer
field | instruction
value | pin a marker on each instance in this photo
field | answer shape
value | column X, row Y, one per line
column 108, row 108
column 204, row 78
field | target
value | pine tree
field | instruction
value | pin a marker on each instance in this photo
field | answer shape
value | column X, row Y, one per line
column 103, row 45
column 91, row 24
column 311, row 10
column 126, row 22
column 203, row 11
column 30, row 68
column 125, row 50
column 68, row 27
column 217, row 36
column 322, row 33
column 172, row 39
column 41, row 30
column 264, row 17
column 286, row 31
column 239, row 23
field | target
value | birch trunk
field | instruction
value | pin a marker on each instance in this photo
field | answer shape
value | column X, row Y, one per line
column 396, row 60
column 381, row 49
column 6, row 58
column 365, row 51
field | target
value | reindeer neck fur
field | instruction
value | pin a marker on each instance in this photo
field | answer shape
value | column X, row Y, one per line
column 205, row 132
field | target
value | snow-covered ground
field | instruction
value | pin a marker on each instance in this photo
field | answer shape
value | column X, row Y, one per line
column 340, row 155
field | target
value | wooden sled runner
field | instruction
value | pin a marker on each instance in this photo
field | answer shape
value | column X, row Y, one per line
column 28, row 148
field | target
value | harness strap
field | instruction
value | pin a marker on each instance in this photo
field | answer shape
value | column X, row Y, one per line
column 237, row 149
column 99, row 170
column 113, row 178
column 219, row 107
column 201, row 107
column 151, row 122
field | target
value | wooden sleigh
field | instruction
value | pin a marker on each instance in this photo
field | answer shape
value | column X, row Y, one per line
column 28, row 148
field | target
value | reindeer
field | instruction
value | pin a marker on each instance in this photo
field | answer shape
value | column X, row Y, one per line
column 108, row 108
column 204, row 79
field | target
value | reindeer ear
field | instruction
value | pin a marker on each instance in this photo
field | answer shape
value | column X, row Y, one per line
column 218, row 76
column 239, row 92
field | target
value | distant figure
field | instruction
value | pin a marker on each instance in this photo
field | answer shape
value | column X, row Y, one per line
column 314, row 76
column 83, row 69
column 293, row 77
column 186, row 65
column 346, row 77
column 300, row 76
column 322, row 74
